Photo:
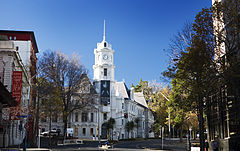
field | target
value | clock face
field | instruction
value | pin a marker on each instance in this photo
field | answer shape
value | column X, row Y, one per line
column 105, row 57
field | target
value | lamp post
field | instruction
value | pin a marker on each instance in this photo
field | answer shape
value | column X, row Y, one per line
column 28, row 96
column 169, row 116
column 99, row 138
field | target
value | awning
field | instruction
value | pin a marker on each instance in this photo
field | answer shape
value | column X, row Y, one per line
column 6, row 97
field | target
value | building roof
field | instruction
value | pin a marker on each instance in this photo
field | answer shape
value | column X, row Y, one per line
column 21, row 35
column 139, row 98
column 122, row 89
column 84, row 77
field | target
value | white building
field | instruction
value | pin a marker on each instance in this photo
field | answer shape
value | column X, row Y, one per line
column 113, row 100
column 12, row 70
column 116, row 100
column 84, row 121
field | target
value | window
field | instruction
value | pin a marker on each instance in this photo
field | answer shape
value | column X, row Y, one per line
column 91, row 131
column 76, row 117
column 84, row 117
column 105, row 116
column 122, row 122
column 105, row 44
column 84, row 131
column 122, row 105
column 105, row 71
column 91, row 117
column 3, row 73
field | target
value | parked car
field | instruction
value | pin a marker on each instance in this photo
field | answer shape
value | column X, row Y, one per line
column 52, row 132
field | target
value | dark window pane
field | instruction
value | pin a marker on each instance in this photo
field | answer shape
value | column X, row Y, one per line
column 105, row 71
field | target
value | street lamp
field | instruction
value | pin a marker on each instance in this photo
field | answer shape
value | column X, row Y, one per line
column 28, row 96
column 169, row 117
column 99, row 138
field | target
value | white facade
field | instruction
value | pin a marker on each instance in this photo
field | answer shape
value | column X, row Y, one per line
column 122, row 100
column 24, row 50
column 10, row 61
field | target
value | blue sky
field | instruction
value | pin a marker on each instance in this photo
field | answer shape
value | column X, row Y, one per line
column 139, row 30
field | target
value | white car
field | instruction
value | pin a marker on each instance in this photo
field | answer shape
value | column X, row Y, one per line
column 53, row 133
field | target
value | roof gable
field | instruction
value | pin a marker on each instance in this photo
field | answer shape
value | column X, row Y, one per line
column 122, row 90
column 139, row 98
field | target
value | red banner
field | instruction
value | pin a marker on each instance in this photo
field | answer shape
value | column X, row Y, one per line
column 16, row 93
column 17, row 86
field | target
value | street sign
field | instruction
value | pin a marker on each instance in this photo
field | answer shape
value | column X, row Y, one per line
column 70, row 130
column 22, row 116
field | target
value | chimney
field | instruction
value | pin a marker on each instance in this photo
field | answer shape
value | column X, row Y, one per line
column 132, row 93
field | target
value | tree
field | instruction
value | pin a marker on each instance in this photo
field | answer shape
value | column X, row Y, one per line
column 210, row 61
column 160, row 105
column 143, row 87
column 129, row 126
column 153, row 92
column 191, row 122
column 192, row 73
column 180, row 106
column 109, row 126
column 50, row 99
column 65, row 74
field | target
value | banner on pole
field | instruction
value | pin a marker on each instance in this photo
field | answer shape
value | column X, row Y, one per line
column 16, row 93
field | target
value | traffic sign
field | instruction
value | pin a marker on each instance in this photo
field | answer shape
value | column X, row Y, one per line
column 22, row 116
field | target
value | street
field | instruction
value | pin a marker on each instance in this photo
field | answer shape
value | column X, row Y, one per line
column 150, row 144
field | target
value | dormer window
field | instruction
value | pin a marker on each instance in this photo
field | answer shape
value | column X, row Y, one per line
column 105, row 44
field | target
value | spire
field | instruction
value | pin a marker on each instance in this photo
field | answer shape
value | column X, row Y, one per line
column 104, row 31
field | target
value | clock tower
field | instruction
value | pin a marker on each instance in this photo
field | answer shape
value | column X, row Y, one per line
column 104, row 69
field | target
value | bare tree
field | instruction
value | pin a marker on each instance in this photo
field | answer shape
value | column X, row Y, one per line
column 65, row 73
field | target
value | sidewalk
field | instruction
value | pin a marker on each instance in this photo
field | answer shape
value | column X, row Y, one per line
column 28, row 149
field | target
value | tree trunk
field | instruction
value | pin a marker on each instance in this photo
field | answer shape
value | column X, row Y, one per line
column 181, row 137
column 112, row 134
column 201, row 124
column 50, row 128
column 65, row 125
column 37, row 122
